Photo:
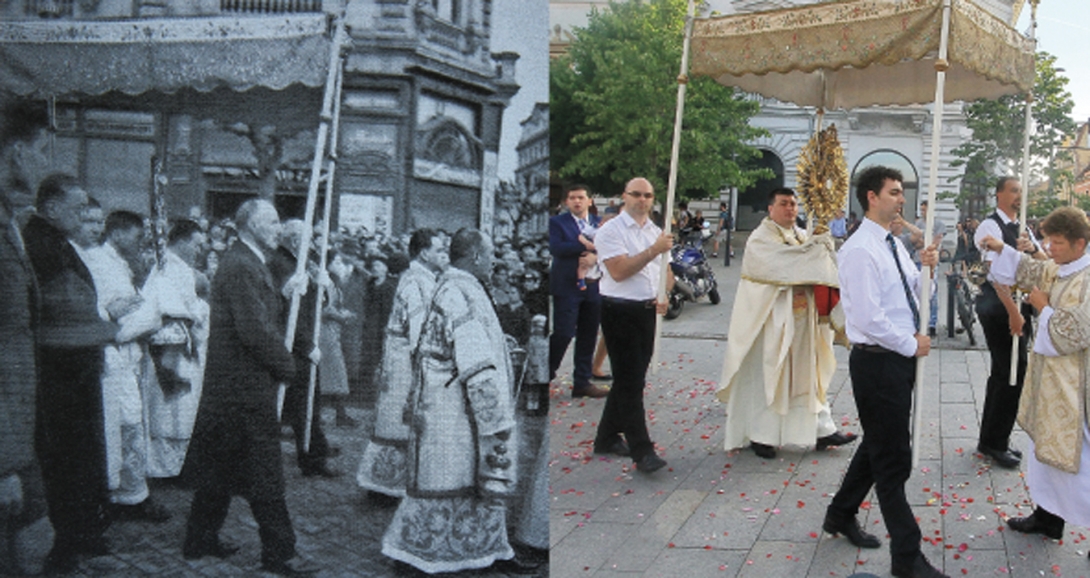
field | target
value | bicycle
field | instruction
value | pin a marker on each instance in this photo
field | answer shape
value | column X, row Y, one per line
column 961, row 295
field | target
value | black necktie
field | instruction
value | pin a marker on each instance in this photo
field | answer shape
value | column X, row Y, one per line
column 904, row 282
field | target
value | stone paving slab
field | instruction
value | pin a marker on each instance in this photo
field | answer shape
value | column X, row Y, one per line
column 714, row 512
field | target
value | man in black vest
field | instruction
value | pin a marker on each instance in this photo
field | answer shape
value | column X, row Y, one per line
column 1000, row 320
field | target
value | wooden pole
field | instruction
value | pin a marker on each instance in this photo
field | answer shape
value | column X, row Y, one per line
column 1016, row 351
column 671, row 188
column 312, row 191
column 941, row 65
column 323, row 252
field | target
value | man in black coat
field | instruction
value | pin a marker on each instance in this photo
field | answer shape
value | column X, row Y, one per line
column 236, row 447
column 69, row 433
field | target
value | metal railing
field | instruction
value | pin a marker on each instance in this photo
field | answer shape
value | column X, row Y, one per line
column 270, row 6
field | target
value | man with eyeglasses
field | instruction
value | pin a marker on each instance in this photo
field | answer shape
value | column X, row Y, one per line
column 628, row 247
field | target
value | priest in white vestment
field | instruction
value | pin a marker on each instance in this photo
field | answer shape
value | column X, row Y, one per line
column 1052, row 406
column 463, row 448
column 178, row 351
column 780, row 356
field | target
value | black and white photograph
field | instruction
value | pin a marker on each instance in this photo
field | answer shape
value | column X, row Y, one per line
column 274, row 288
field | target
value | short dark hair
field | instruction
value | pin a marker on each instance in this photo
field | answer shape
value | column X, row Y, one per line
column 123, row 221
column 873, row 178
column 464, row 243
column 777, row 192
column 1068, row 222
column 421, row 239
column 1002, row 182
column 183, row 230
column 575, row 187
column 22, row 119
column 53, row 188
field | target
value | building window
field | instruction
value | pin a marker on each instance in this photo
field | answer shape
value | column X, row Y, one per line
column 893, row 160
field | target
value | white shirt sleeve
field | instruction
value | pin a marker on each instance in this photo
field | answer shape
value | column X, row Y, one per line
column 609, row 241
column 1004, row 266
column 1042, row 344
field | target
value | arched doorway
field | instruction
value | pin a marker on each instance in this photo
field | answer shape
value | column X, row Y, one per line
column 893, row 160
column 753, row 202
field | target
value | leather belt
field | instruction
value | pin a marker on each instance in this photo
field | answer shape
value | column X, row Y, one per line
column 871, row 348
column 644, row 304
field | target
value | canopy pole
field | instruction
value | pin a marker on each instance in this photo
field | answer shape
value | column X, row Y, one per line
column 1015, row 349
column 331, row 86
column 941, row 65
column 671, row 187
column 323, row 251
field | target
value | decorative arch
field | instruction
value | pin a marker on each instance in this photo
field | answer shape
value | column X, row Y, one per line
column 445, row 141
column 893, row 159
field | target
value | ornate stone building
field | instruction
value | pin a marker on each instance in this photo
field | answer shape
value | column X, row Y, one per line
column 226, row 96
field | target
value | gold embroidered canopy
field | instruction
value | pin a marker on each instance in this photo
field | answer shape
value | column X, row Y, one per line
column 863, row 52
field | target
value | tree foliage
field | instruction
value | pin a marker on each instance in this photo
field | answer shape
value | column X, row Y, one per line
column 613, row 98
column 998, row 127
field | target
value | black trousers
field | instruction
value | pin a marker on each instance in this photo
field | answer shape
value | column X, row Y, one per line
column 1001, row 398
column 295, row 413
column 575, row 316
column 882, row 383
column 629, row 330
column 209, row 510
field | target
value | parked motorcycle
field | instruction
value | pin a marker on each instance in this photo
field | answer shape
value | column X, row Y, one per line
column 693, row 277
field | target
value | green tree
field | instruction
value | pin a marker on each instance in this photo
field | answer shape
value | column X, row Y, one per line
column 998, row 126
column 613, row 98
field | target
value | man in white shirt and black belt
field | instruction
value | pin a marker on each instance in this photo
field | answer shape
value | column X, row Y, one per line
column 629, row 246
column 1000, row 320
column 879, row 291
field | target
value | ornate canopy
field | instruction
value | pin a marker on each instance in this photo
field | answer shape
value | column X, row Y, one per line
column 863, row 52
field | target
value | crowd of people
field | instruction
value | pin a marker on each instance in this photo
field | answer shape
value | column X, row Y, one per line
column 127, row 358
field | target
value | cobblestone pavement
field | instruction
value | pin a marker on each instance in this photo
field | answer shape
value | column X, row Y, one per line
column 717, row 513
column 335, row 524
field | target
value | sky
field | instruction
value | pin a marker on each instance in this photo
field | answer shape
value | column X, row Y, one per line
column 521, row 26
column 1063, row 27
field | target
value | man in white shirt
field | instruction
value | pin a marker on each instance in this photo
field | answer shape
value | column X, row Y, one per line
column 1000, row 320
column 879, row 289
column 629, row 246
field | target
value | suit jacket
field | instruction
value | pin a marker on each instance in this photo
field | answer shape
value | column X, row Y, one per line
column 246, row 355
column 17, row 366
column 235, row 445
column 565, row 247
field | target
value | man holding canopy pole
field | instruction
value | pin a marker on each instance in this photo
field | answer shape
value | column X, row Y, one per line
column 879, row 292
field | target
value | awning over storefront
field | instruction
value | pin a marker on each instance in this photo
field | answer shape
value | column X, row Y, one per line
column 42, row 58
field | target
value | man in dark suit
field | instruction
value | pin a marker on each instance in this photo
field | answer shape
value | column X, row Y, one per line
column 577, row 308
column 69, row 434
column 236, row 447
column 282, row 265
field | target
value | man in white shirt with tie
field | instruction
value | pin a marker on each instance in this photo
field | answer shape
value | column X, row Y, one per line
column 879, row 288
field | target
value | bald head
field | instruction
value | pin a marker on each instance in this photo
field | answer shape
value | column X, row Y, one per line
column 639, row 198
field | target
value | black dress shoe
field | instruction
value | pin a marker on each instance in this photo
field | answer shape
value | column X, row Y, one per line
column 60, row 561
column 93, row 547
column 763, row 450
column 218, row 548
column 516, row 565
column 1004, row 458
column 835, row 439
column 294, row 567
column 149, row 511
column 851, row 530
column 1015, row 452
column 321, row 470
column 595, row 391
column 618, row 448
column 650, row 463
column 920, row 568
column 606, row 377
column 1034, row 524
